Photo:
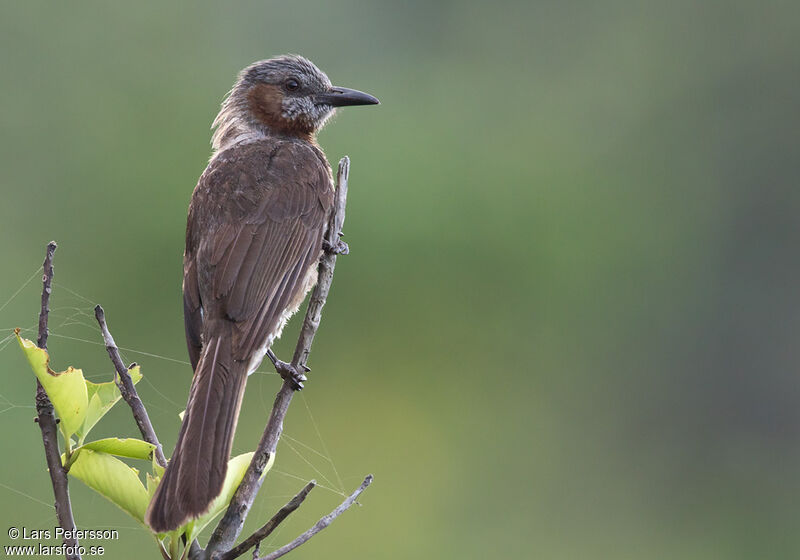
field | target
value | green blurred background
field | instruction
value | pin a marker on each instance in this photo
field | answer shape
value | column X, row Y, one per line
column 568, row 324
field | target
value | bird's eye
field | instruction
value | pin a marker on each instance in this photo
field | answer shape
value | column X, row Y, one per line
column 292, row 84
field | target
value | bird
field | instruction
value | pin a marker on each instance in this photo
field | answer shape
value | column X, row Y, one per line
column 254, row 236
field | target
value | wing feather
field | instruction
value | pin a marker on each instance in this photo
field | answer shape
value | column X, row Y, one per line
column 256, row 223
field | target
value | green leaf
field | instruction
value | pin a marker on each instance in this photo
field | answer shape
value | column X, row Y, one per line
column 113, row 479
column 66, row 389
column 127, row 447
column 158, row 470
column 152, row 480
column 151, row 483
column 236, row 468
column 102, row 396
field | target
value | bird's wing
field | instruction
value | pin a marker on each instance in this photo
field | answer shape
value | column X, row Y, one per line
column 256, row 223
column 192, row 309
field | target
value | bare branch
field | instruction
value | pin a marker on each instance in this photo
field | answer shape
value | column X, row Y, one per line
column 47, row 421
column 269, row 526
column 321, row 524
column 47, row 280
column 128, row 389
column 230, row 526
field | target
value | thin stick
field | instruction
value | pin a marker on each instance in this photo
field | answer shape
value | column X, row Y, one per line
column 230, row 525
column 47, row 281
column 47, row 421
column 270, row 525
column 321, row 524
column 128, row 389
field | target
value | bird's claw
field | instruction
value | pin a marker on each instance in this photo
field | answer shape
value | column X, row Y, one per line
column 288, row 372
column 340, row 248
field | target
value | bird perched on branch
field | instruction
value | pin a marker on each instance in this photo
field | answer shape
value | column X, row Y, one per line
column 253, row 241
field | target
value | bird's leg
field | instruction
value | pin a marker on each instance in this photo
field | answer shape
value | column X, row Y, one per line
column 341, row 248
column 288, row 371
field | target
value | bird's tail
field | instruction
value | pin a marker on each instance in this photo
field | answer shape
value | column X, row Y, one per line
column 196, row 471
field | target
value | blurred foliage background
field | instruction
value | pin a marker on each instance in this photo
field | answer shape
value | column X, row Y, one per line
column 568, row 325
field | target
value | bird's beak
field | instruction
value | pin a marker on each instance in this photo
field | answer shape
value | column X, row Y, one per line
column 341, row 97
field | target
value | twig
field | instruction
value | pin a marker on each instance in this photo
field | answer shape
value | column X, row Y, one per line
column 321, row 524
column 47, row 422
column 128, row 389
column 230, row 525
column 47, row 280
column 270, row 525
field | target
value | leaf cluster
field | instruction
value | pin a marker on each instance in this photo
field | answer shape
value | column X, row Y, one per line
column 80, row 404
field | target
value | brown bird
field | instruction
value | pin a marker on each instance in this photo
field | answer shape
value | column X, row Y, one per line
column 253, row 242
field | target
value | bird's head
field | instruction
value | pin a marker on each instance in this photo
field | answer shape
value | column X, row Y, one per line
column 284, row 95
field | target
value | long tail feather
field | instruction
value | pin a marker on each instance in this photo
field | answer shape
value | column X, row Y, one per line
column 196, row 472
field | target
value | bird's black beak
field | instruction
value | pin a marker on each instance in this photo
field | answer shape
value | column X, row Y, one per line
column 342, row 97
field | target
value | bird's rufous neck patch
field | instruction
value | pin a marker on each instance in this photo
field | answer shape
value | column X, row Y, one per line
column 266, row 104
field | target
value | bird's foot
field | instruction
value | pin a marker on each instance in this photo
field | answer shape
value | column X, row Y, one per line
column 341, row 248
column 288, row 372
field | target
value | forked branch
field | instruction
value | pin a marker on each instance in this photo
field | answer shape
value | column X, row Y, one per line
column 269, row 526
column 321, row 524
